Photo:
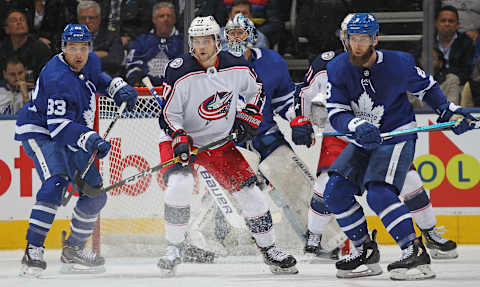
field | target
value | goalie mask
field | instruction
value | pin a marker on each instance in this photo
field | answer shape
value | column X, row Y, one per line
column 238, row 42
column 362, row 23
column 204, row 26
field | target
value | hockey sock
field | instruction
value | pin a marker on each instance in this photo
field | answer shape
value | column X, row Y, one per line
column 421, row 209
column 395, row 216
column 81, row 227
column 318, row 215
column 340, row 199
column 41, row 219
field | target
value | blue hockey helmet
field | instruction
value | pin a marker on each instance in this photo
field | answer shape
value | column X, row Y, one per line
column 76, row 33
column 363, row 23
column 238, row 46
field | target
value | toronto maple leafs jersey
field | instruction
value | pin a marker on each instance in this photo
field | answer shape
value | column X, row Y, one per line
column 204, row 102
column 62, row 105
column 278, row 87
column 378, row 94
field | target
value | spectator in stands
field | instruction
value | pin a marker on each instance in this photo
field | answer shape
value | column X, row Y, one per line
column 265, row 14
column 151, row 52
column 106, row 44
column 468, row 11
column 471, row 91
column 457, row 48
column 31, row 51
column 26, row 6
column 245, row 8
column 14, row 89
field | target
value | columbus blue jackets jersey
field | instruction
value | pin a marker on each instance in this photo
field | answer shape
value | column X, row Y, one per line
column 378, row 94
column 278, row 87
column 204, row 102
column 63, row 103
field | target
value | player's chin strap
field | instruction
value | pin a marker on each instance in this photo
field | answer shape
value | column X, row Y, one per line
column 93, row 192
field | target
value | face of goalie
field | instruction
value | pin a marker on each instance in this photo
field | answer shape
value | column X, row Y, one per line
column 204, row 49
column 76, row 54
column 361, row 48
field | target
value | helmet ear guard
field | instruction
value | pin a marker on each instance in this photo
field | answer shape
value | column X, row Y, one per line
column 76, row 33
column 239, row 46
column 204, row 26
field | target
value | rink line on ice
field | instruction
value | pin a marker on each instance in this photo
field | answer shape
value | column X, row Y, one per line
column 464, row 229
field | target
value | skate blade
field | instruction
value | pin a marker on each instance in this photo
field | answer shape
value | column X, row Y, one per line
column 168, row 273
column 72, row 268
column 421, row 272
column 30, row 272
column 438, row 254
column 371, row 270
column 283, row 271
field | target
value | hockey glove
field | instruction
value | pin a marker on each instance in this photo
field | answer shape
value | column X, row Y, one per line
column 91, row 141
column 451, row 112
column 182, row 147
column 246, row 123
column 302, row 131
column 366, row 134
column 121, row 92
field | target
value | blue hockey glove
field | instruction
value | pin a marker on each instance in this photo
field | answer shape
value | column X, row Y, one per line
column 246, row 123
column 302, row 131
column 182, row 147
column 91, row 141
column 367, row 135
column 121, row 92
column 451, row 112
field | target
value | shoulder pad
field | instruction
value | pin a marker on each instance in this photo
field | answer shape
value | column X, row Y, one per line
column 327, row 56
column 176, row 63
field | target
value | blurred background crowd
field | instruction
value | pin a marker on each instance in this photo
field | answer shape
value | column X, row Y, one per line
column 134, row 38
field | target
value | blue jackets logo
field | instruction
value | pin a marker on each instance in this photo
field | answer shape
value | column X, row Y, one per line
column 216, row 106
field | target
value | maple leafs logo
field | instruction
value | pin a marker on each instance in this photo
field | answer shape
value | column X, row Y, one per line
column 89, row 114
column 365, row 110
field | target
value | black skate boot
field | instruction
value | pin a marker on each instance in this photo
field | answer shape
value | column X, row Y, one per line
column 414, row 259
column 279, row 261
column 32, row 261
column 439, row 246
column 77, row 260
column 368, row 256
column 313, row 246
column 168, row 263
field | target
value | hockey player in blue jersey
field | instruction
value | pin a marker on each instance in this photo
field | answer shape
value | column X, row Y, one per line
column 269, row 142
column 366, row 95
column 311, row 100
column 56, row 131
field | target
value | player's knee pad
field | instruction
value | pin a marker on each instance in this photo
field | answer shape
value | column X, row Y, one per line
column 339, row 194
column 381, row 195
column 175, row 169
column 413, row 184
column 252, row 200
column 52, row 189
column 179, row 189
column 91, row 205
column 317, row 203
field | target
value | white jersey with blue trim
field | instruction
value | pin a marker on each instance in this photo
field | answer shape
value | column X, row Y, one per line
column 378, row 94
column 278, row 87
column 204, row 102
column 63, row 102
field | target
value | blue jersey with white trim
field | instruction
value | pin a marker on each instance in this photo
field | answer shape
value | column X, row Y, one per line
column 378, row 94
column 278, row 87
column 63, row 102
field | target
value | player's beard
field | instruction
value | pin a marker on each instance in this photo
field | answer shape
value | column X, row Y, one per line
column 359, row 61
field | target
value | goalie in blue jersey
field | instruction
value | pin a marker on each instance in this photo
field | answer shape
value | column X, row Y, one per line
column 366, row 95
column 56, row 131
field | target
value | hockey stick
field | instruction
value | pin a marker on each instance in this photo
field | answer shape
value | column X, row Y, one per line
column 387, row 135
column 158, row 167
column 67, row 195
column 146, row 81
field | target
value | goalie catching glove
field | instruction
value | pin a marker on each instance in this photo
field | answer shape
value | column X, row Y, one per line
column 302, row 131
column 451, row 112
column 182, row 147
column 246, row 123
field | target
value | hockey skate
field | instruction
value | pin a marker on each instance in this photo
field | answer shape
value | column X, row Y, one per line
column 414, row 264
column 369, row 256
column 278, row 261
column 313, row 246
column 32, row 262
column 192, row 254
column 168, row 263
column 77, row 260
column 438, row 246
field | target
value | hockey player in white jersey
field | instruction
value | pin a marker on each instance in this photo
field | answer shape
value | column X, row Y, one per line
column 366, row 95
column 56, row 131
column 202, row 92
column 311, row 99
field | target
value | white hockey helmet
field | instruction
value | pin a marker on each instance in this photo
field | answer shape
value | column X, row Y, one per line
column 204, row 26
column 239, row 46
column 343, row 30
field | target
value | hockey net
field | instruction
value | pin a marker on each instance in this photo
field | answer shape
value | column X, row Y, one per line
column 132, row 222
